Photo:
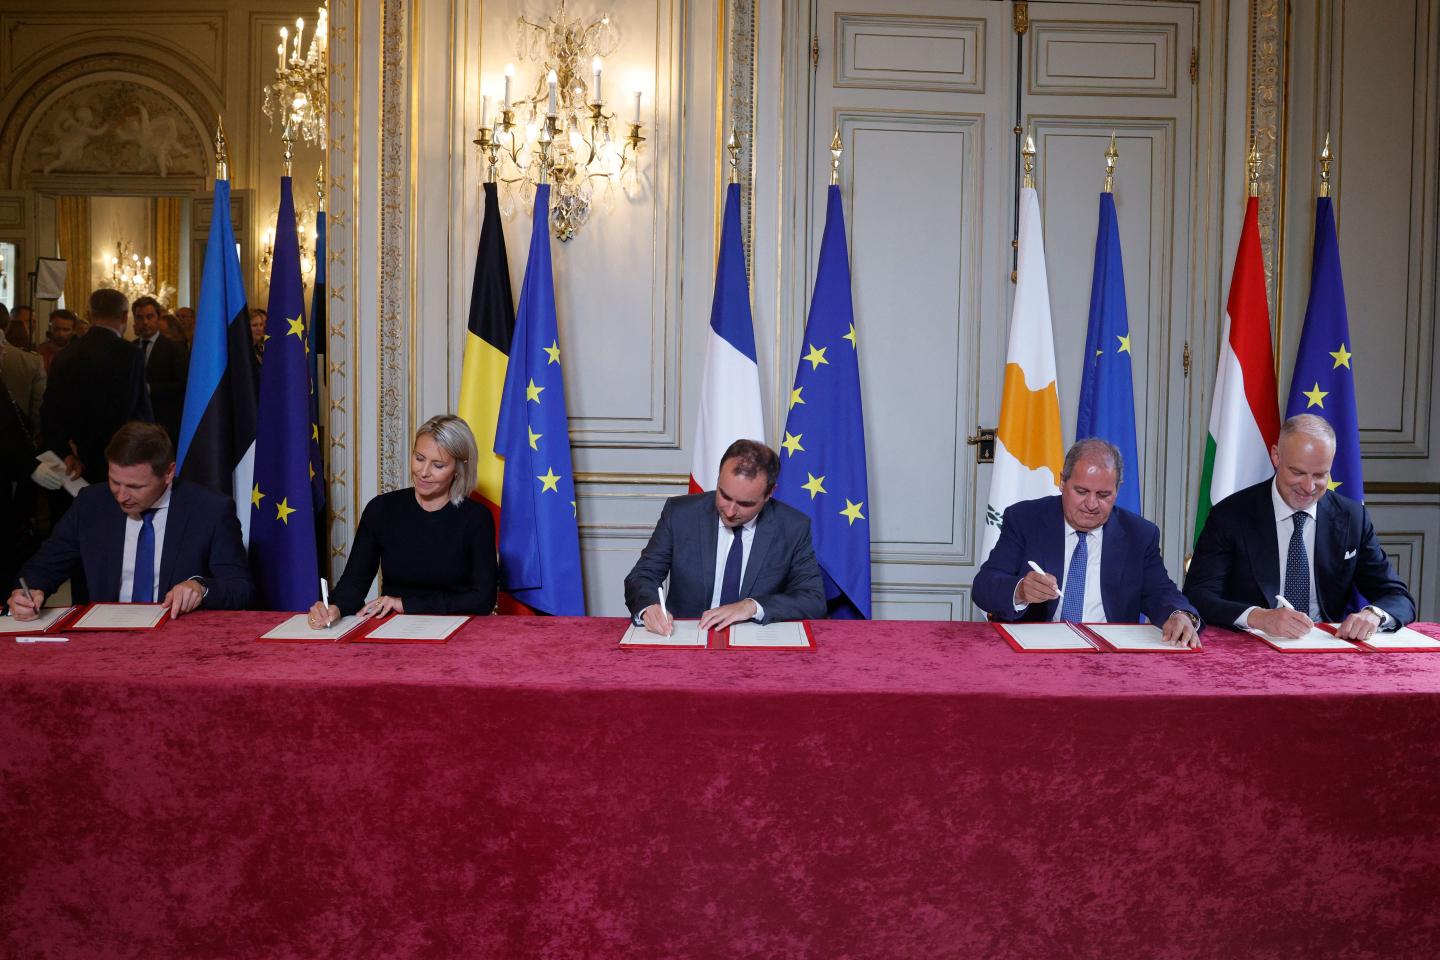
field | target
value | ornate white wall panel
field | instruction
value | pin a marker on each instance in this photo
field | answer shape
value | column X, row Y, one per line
column 1130, row 59
column 910, row 53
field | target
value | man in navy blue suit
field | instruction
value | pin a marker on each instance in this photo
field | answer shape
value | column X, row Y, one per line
column 145, row 538
column 1293, row 537
column 1110, row 558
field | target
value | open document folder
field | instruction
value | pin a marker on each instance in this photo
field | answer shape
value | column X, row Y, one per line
column 741, row 636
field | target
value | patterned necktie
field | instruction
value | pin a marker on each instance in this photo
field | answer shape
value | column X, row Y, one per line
column 142, row 586
column 1073, row 609
column 730, row 585
column 1297, row 570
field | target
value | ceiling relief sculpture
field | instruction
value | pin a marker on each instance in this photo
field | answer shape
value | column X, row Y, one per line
column 115, row 127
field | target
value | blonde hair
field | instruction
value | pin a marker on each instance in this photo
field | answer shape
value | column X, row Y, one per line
column 453, row 436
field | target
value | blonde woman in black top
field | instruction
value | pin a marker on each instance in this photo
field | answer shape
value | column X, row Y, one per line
column 433, row 546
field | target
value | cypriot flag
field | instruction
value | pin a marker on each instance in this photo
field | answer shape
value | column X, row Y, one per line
column 1028, row 448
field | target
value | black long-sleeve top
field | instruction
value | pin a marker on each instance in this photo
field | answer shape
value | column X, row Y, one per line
column 440, row 561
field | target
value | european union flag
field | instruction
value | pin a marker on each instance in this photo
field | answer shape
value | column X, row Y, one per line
column 217, row 427
column 823, row 454
column 1324, row 380
column 1107, row 390
column 282, row 518
column 539, row 537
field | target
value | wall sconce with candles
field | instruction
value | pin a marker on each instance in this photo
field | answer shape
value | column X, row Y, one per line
column 300, row 94
column 582, row 151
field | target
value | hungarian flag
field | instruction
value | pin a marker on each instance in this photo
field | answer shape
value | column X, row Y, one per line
column 1245, row 412
column 730, row 386
column 1028, row 448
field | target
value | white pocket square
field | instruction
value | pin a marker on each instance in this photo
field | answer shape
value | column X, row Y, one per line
column 1349, row 554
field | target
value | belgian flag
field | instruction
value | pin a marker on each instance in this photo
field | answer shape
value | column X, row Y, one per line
column 487, row 355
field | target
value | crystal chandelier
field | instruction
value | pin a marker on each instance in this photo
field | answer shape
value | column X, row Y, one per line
column 300, row 95
column 134, row 275
column 562, row 133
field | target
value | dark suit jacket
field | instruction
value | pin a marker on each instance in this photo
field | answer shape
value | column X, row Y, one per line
column 1237, row 560
column 167, row 371
column 96, row 385
column 202, row 539
column 1133, row 579
column 782, row 575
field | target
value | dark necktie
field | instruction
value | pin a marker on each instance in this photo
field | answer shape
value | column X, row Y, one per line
column 147, row 345
column 730, row 585
column 142, row 587
column 1073, row 609
column 1297, row 570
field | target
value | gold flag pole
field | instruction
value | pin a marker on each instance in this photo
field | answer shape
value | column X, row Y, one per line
column 1028, row 152
column 1326, row 157
column 1253, row 162
column 222, row 159
column 1111, row 156
column 835, row 149
column 733, row 145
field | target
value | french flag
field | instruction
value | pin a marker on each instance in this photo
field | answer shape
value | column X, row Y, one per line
column 730, row 388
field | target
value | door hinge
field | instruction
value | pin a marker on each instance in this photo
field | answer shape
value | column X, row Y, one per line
column 1185, row 360
column 1021, row 16
column 983, row 440
column 1194, row 65
column 815, row 51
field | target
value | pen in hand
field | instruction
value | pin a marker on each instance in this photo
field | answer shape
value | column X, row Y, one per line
column 325, row 598
column 1036, row 567
column 29, row 594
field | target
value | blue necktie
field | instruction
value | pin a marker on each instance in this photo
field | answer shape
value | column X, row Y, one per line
column 1297, row 570
column 730, row 585
column 1073, row 609
column 142, row 587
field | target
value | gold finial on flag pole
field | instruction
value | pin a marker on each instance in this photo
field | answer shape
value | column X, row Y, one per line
column 547, row 140
column 1111, row 155
column 1326, row 157
column 1253, row 162
column 320, row 188
column 222, row 159
column 287, row 138
column 733, row 145
column 835, row 149
column 1028, row 152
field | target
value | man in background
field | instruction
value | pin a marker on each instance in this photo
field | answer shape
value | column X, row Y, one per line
column 23, row 374
column 59, row 334
column 186, row 316
column 167, row 365
column 96, row 385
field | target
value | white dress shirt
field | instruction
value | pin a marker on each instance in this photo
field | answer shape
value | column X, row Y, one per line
column 722, row 553
column 132, row 542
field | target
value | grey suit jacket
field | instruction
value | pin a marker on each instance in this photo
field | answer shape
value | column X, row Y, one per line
column 782, row 574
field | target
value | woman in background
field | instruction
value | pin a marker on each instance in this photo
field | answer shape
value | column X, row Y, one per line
column 433, row 546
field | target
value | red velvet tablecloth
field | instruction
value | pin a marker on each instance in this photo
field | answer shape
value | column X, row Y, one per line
column 530, row 790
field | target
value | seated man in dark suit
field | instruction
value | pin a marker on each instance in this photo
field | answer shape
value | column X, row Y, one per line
column 143, row 538
column 1110, row 558
column 1293, row 537
column 764, row 568
column 96, row 384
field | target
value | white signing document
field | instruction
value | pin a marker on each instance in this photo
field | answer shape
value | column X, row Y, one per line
column 298, row 628
column 687, row 633
column 51, row 475
column 121, row 616
column 416, row 628
column 47, row 619
column 1044, row 637
column 790, row 635
column 1316, row 641
column 1401, row 640
column 1135, row 638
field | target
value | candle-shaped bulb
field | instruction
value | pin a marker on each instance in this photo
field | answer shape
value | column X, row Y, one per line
column 598, row 69
column 554, row 100
column 509, row 75
column 637, row 106
column 485, row 110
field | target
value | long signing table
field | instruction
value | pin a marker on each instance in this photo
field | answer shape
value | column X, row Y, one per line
column 530, row 790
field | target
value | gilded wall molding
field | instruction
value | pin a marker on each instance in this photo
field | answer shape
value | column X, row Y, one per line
column 392, row 333
column 1267, row 119
column 341, row 354
column 740, row 73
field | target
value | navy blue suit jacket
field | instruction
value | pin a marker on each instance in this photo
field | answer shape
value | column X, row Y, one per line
column 1236, row 564
column 1133, row 579
column 782, row 574
column 202, row 539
